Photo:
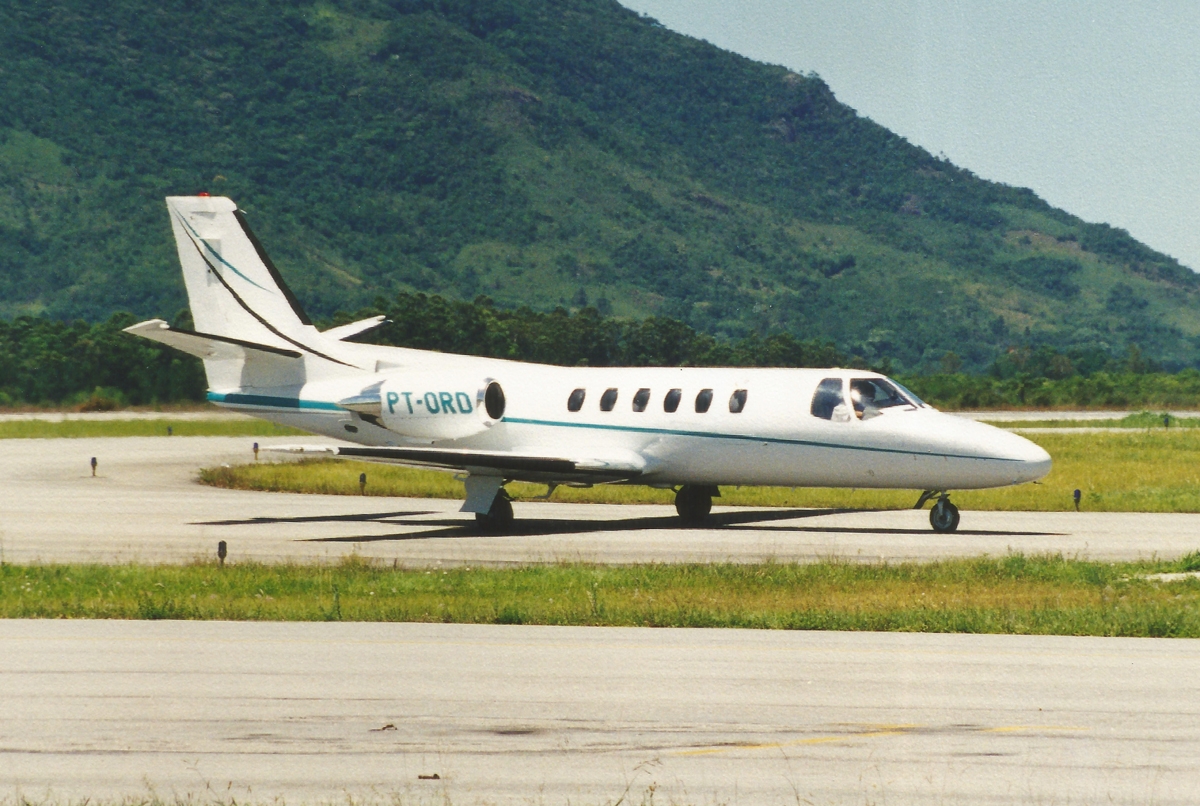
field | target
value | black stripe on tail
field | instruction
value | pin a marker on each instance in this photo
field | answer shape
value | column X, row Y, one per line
column 262, row 255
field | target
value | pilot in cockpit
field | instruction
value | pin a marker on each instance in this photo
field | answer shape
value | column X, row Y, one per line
column 862, row 396
column 870, row 396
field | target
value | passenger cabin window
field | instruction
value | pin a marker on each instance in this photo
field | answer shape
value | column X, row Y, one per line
column 703, row 400
column 827, row 398
column 871, row 396
column 575, row 401
column 608, row 400
column 640, row 399
column 671, row 401
column 737, row 401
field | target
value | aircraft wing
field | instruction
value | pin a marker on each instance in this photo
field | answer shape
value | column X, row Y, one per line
column 519, row 466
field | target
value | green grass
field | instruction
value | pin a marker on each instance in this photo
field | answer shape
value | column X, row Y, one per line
column 46, row 429
column 1013, row 594
column 1139, row 471
column 1141, row 419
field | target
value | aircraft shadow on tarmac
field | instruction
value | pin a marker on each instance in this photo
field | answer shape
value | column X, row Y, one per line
column 444, row 528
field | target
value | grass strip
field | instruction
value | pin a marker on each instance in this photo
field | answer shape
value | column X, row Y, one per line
column 47, row 429
column 1139, row 471
column 1141, row 419
column 1015, row 594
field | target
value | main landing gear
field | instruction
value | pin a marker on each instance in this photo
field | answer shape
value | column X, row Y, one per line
column 500, row 517
column 944, row 515
column 694, row 502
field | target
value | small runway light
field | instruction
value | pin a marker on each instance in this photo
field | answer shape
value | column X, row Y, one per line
column 93, row 465
column 222, row 553
column 170, row 430
column 256, row 451
column 1166, row 420
column 362, row 483
column 1077, row 495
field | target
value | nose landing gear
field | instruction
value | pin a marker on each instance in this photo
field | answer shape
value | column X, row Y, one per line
column 944, row 515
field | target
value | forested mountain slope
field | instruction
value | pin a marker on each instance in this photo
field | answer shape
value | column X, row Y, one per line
column 541, row 152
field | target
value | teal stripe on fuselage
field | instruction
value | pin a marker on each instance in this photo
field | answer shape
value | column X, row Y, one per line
column 269, row 401
column 745, row 438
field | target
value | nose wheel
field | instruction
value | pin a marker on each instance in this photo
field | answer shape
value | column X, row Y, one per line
column 944, row 516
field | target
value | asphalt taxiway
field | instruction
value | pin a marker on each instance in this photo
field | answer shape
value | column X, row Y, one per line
column 246, row 712
column 464, row 714
column 144, row 504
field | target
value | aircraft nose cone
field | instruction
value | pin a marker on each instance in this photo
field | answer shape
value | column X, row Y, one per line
column 1035, row 462
column 1030, row 462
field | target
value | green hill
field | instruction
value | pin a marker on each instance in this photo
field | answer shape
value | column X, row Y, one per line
column 541, row 152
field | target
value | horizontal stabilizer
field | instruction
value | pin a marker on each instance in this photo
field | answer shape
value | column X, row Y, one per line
column 343, row 332
column 202, row 345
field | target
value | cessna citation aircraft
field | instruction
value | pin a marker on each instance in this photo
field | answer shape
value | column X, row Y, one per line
column 688, row 429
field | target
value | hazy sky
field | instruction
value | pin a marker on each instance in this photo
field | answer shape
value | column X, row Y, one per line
column 1094, row 105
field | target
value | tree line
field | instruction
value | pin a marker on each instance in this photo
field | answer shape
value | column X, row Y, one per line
column 44, row 362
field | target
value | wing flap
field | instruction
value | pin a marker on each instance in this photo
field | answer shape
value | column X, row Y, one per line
column 510, row 464
column 464, row 460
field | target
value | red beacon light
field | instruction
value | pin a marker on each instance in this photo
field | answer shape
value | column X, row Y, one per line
column 202, row 194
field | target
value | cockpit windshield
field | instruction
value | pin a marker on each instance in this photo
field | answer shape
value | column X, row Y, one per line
column 904, row 390
column 871, row 395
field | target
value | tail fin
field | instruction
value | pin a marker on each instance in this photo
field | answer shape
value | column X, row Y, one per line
column 233, row 288
column 250, row 330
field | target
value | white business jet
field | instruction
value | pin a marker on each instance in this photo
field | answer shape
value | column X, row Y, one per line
column 689, row 429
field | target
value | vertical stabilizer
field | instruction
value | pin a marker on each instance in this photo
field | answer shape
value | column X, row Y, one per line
column 250, row 330
column 233, row 288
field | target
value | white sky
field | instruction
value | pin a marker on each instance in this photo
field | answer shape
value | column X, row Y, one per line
column 1094, row 104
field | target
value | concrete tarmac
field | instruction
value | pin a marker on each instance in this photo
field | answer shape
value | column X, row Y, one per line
column 145, row 505
column 244, row 712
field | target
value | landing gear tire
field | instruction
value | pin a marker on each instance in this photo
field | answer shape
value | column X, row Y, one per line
column 693, row 505
column 944, row 516
column 499, row 518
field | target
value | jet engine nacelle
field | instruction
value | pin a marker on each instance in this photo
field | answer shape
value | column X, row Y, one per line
column 439, row 405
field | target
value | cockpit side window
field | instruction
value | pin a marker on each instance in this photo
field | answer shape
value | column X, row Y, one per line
column 827, row 397
column 871, row 395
